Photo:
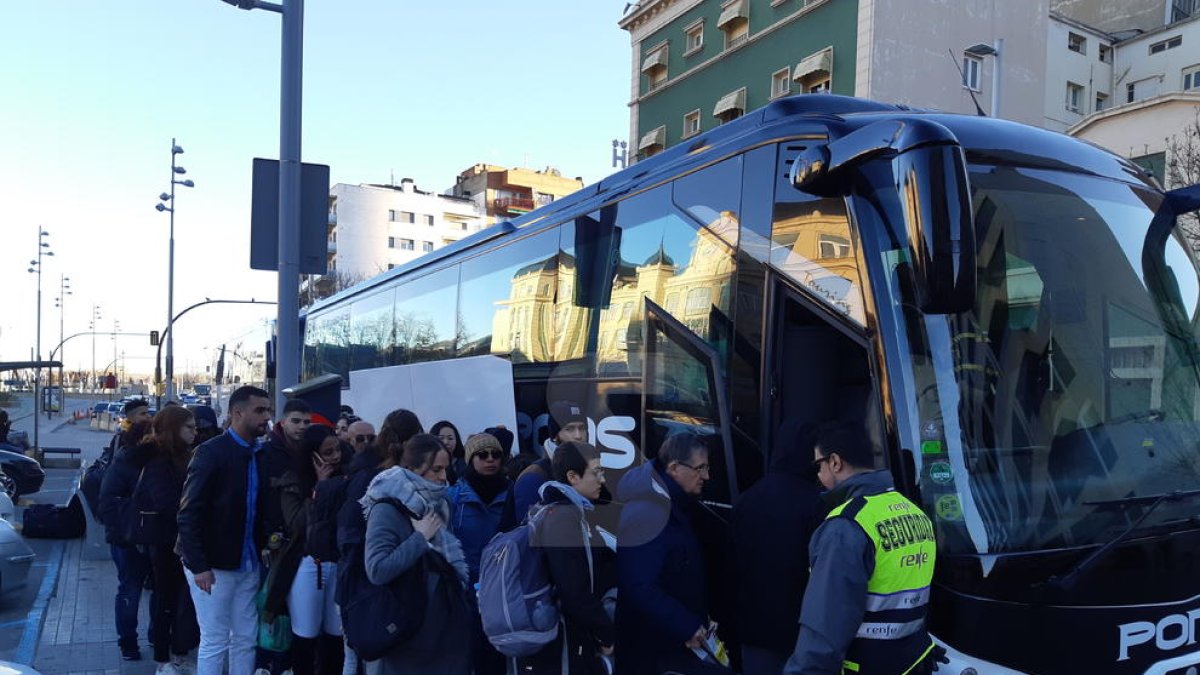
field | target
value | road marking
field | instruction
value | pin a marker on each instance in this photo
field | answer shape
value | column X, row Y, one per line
column 33, row 621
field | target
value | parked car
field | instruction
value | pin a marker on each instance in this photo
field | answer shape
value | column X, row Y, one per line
column 9, row 668
column 99, row 407
column 25, row 471
column 15, row 560
column 8, row 486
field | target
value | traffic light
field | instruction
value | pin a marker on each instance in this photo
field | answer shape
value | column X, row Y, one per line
column 153, row 338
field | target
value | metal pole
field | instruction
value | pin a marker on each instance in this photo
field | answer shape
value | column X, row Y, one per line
column 171, row 285
column 62, row 311
column 37, row 372
column 287, row 367
column 997, row 76
column 92, row 325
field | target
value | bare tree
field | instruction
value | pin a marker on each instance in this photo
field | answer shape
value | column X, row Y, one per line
column 319, row 287
column 1183, row 169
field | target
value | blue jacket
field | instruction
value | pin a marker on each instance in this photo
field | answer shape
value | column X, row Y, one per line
column 843, row 559
column 528, row 487
column 660, row 571
column 474, row 522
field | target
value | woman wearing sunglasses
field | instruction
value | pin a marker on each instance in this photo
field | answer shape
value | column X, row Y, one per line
column 481, row 504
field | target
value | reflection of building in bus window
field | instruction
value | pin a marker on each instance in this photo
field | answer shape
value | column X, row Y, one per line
column 810, row 241
column 528, row 310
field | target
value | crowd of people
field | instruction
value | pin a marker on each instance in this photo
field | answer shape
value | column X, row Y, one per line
column 331, row 547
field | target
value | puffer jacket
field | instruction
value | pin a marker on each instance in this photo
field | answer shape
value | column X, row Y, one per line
column 474, row 522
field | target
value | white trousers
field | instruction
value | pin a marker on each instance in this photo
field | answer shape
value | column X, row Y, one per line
column 228, row 622
column 310, row 601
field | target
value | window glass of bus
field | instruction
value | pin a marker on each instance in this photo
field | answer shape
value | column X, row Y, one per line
column 506, row 300
column 812, row 242
column 327, row 338
column 426, row 317
column 712, row 196
column 663, row 254
column 371, row 330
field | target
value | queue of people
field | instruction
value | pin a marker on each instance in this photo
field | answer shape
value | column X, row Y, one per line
column 317, row 547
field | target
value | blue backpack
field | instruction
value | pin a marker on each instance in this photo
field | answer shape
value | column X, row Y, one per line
column 517, row 600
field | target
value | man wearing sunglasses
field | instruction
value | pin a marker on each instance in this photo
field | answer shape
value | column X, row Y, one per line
column 361, row 435
column 872, row 564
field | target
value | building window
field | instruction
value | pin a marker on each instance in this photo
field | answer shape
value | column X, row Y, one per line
column 814, row 74
column 391, row 242
column 972, row 67
column 735, row 22
column 1191, row 77
column 464, row 227
column 1101, row 101
column 1077, row 43
column 1169, row 43
column 691, row 123
column 391, row 215
column 781, row 83
column 406, row 244
column 428, row 220
column 1105, row 54
column 693, row 38
column 391, row 266
column 654, row 67
column 427, row 246
column 833, row 246
column 731, row 106
column 407, row 217
column 1074, row 96
column 1130, row 93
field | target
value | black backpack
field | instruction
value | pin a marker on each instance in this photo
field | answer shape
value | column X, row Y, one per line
column 377, row 619
column 320, row 537
column 93, row 476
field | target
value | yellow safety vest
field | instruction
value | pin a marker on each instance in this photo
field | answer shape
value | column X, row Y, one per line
column 892, row 636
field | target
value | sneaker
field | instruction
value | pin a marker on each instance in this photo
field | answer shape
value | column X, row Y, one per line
column 131, row 654
column 182, row 666
column 262, row 671
column 167, row 668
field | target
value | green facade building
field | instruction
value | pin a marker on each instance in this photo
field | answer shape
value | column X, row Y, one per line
column 699, row 63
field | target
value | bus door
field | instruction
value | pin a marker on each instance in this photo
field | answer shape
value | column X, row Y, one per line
column 820, row 370
column 683, row 389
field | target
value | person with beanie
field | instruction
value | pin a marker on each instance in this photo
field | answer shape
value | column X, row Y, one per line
column 481, row 504
column 567, row 423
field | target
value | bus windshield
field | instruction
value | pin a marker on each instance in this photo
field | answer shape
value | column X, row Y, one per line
column 1074, row 384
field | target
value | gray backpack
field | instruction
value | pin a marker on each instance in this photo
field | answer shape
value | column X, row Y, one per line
column 516, row 598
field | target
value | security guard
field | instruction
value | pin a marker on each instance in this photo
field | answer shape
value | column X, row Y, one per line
column 872, row 563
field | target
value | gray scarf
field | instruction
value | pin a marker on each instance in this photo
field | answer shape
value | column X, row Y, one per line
column 421, row 497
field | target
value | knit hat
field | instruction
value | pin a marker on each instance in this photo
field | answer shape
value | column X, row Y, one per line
column 563, row 413
column 481, row 443
column 206, row 417
column 504, row 436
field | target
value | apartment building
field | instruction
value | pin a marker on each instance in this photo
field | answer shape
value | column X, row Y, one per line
column 501, row 194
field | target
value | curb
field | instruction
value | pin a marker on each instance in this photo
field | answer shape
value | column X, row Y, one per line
column 26, row 650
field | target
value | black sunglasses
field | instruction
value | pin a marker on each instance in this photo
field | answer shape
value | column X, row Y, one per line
column 490, row 454
column 364, row 438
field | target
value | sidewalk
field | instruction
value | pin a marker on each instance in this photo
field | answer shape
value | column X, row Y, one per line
column 79, row 634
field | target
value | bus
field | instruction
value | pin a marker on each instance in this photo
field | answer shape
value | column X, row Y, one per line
column 1012, row 314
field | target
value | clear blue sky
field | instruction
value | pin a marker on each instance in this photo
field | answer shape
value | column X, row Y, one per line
column 93, row 91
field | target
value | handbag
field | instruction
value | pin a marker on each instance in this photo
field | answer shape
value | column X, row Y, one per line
column 274, row 635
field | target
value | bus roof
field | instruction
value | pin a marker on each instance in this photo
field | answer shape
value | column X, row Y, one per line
column 985, row 140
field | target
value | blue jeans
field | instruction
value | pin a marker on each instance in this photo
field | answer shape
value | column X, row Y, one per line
column 133, row 568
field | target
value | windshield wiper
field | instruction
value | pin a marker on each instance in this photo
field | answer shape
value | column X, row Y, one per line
column 1065, row 581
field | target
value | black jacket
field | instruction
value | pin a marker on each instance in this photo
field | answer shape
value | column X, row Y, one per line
column 773, row 522
column 352, row 527
column 156, row 501
column 116, row 489
column 588, row 625
column 212, row 511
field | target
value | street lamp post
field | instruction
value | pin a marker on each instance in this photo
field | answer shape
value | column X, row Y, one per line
column 64, row 289
column 176, row 170
column 287, row 361
column 92, row 327
column 35, row 267
column 116, row 329
column 996, row 50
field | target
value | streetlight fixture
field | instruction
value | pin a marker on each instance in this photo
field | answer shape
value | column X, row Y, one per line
column 176, row 170
column 981, row 50
column 60, row 303
column 287, row 361
column 35, row 267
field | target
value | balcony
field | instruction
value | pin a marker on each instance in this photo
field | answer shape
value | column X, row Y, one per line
column 332, row 246
column 513, row 204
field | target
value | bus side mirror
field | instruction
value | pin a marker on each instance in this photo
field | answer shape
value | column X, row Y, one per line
column 1184, row 200
column 936, row 199
column 930, row 176
column 597, row 256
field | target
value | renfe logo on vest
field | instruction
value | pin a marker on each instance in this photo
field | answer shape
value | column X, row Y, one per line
column 1171, row 632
